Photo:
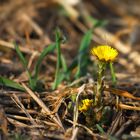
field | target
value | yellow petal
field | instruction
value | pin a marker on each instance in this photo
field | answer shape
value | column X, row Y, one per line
column 104, row 53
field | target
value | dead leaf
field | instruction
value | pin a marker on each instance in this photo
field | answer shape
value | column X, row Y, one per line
column 127, row 107
column 122, row 93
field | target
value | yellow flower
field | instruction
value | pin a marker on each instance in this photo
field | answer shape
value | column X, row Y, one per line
column 104, row 53
column 86, row 103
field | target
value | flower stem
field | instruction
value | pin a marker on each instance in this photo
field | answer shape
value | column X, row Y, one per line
column 113, row 74
column 101, row 68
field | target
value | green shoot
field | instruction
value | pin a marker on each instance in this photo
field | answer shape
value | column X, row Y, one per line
column 24, row 63
column 83, row 54
column 64, row 64
column 10, row 83
column 33, row 80
column 58, row 65
column 46, row 50
column 22, row 58
column 100, row 129
column 60, row 74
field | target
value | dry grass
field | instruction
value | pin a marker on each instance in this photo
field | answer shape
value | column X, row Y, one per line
column 47, row 115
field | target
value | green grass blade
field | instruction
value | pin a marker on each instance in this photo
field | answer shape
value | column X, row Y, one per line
column 62, row 74
column 20, row 55
column 65, row 73
column 85, row 41
column 24, row 63
column 83, row 54
column 9, row 83
column 64, row 64
column 47, row 50
column 100, row 129
column 57, row 73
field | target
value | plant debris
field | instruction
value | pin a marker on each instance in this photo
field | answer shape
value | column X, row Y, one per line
column 48, row 75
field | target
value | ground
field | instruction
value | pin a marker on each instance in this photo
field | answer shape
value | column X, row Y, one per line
column 49, row 111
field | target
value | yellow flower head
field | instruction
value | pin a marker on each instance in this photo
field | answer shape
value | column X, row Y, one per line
column 86, row 104
column 104, row 53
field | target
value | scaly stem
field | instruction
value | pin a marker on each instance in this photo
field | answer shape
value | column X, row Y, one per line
column 101, row 68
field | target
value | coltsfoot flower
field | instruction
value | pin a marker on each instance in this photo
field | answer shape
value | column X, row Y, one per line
column 104, row 53
column 86, row 104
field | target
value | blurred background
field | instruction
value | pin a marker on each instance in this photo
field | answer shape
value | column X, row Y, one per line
column 32, row 23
